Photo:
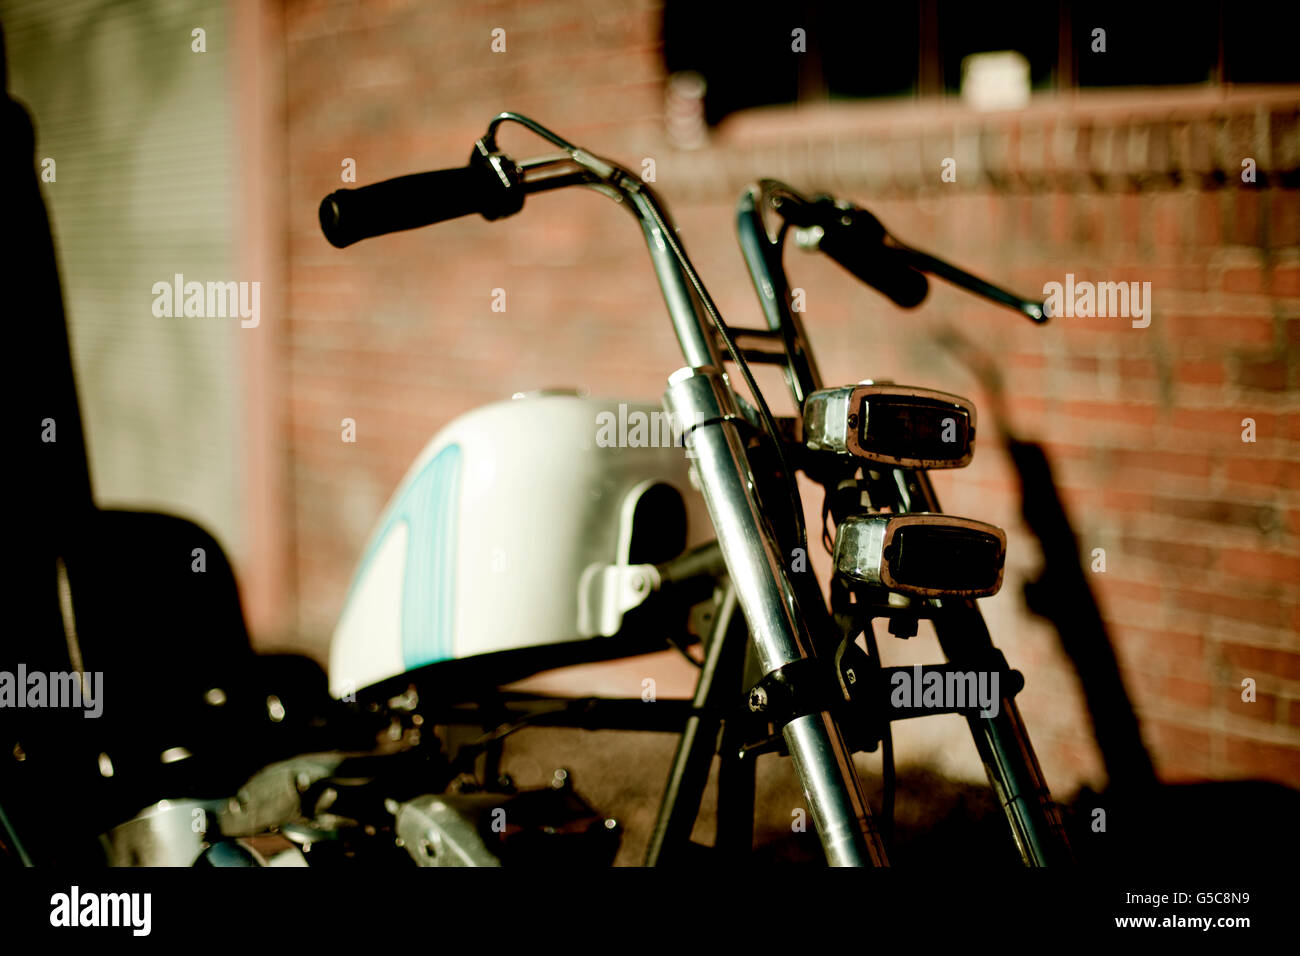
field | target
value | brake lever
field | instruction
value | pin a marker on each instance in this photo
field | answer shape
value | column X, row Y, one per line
column 924, row 262
column 824, row 212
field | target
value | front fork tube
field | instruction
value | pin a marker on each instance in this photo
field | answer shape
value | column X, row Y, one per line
column 701, row 403
column 1002, row 740
column 1004, row 747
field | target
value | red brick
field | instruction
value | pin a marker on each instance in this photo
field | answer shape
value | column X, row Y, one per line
column 1167, row 220
column 1284, row 218
column 1249, row 469
column 1286, row 282
column 1130, row 218
column 1194, row 464
column 1214, row 331
column 1190, row 693
column 1173, row 738
column 1244, row 280
column 1224, row 422
column 1263, row 708
column 1269, row 375
column 1261, row 565
column 1255, row 661
column 1179, row 767
column 1181, row 554
column 1137, row 368
column 1218, row 511
column 1024, row 361
column 1261, row 759
column 1188, row 649
column 1113, row 412
column 1181, row 278
column 1199, row 372
column 1252, row 610
column 1209, row 218
column 1245, row 221
column 1122, row 499
column 1121, row 589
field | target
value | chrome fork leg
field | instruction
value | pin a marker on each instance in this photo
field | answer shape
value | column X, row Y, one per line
column 1004, row 747
column 701, row 404
column 1002, row 741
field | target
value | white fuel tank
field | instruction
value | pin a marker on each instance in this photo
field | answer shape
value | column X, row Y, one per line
column 485, row 544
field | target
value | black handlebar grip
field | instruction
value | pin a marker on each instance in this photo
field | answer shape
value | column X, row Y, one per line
column 407, row 202
column 882, row 267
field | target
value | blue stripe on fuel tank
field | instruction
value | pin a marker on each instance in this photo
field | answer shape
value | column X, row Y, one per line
column 429, row 590
column 429, row 509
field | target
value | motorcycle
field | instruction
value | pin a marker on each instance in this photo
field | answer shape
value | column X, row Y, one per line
column 606, row 560
column 556, row 528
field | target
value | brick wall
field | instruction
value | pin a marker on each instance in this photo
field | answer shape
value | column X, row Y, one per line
column 1201, row 530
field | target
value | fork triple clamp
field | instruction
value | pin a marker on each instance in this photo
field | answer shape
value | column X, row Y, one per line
column 866, row 697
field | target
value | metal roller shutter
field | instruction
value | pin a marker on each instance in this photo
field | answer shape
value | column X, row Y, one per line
column 140, row 129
